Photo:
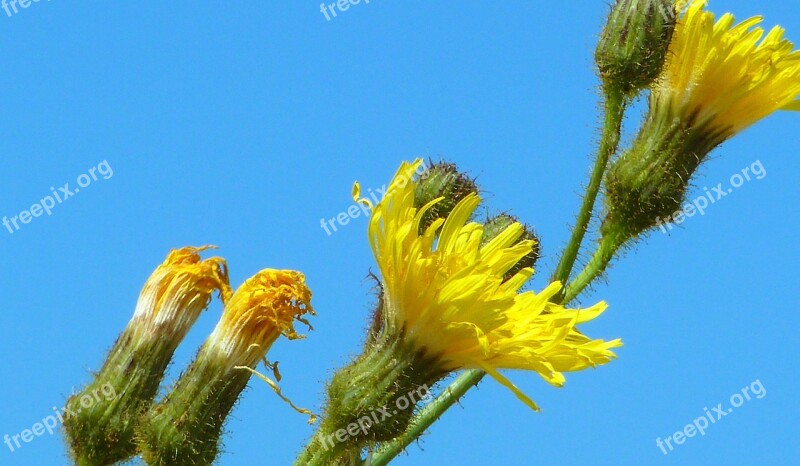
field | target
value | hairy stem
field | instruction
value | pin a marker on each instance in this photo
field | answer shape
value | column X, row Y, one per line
column 614, row 112
column 606, row 250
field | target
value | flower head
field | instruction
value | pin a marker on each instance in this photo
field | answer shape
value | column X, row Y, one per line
column 169, row 304
column 262, row 309
column 178, row 291
column 719, row 79
column 186, row 427
column 722, row 77
column 446, row 294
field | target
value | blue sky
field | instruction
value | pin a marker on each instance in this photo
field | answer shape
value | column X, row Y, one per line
column 242, row 125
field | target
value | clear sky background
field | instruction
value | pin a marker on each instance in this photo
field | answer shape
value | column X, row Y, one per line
column 243, row 124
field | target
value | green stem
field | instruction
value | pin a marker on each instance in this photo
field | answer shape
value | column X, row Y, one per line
column 614, row 112
column 608, row 247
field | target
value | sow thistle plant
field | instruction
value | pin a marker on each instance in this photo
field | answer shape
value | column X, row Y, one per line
column 183, row 428
column 452, row 289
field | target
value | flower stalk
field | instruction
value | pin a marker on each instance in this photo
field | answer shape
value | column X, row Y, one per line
column 614, row 112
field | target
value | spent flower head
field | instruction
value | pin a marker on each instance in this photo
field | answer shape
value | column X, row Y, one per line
column 177, row 292
column 186, row 427
column 170, row 303
column 263, row 308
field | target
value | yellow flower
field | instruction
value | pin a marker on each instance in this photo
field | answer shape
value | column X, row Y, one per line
column 262, row 309
column 177, row 292
column 723, row 77
column 445, row 293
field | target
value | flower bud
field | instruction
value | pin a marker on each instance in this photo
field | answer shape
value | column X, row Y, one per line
column 633, row 46
column 441, row 180
column 177, row 292
column 497, row 225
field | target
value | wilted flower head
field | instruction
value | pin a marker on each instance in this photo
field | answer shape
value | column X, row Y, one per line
column 262, row 309
column 178, row 291
column 171, row 301
column 186, row 427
